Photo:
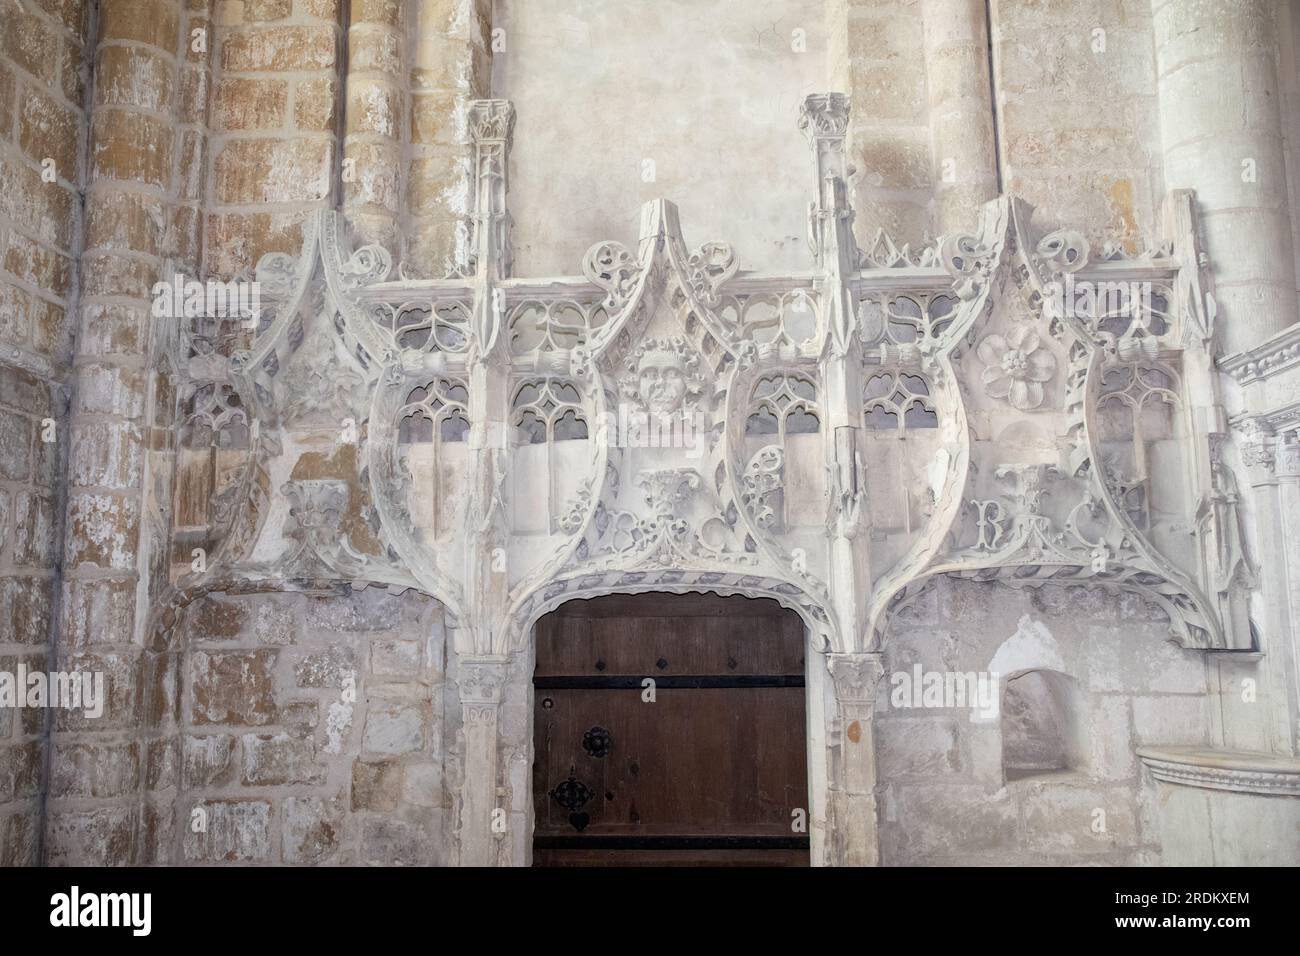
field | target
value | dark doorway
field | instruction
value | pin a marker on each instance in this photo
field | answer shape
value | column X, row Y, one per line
column 712, row 771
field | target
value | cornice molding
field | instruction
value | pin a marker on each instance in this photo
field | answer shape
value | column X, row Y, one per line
column 1271, row 357
column 1237, row 771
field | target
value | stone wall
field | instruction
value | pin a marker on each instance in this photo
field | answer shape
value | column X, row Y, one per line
column 42, row 167
column 712, row 92
column 302, row 730
column 946, row 800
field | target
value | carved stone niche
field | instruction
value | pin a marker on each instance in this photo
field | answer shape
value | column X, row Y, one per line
column 1072, row 453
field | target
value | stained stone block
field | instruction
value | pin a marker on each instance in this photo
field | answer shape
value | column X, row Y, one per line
column 279, row 48
column 396, row 660
column 233, row 831
column 207, row 760
column 233, row 688
column 327, row 668
column 313, row 829
column 1072, row 820
column 376, row 785
column 273, row 760
column 99, row 837
column 391, row 842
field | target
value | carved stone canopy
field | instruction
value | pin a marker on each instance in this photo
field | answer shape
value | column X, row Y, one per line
column 839, row 437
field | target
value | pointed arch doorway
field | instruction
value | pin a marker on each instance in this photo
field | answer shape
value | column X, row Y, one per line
column 670, row 729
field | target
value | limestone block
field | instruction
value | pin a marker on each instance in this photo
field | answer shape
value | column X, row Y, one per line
column 251, row 103
column 100, row 837
column 235, row 831
column 134, row 76
column 326, row 668
column 397, row 660
column 1069, row 819
column 928, row 746
column 376, row 785
column 236, row 687
column 278, row 759
column 104, row 770
column 315, row 104
column 26, row 605
column 313, row 829
column 279, row 48
column 394, row 727
column 207, row 760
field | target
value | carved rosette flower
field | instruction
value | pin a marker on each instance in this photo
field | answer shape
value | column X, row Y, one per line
column 1016, row 366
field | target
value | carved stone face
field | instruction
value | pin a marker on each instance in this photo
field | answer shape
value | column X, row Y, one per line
column 661, row 382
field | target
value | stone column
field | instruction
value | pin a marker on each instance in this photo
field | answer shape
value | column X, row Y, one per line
column 1273, row 467
column 824, row 119
column 873, row 50
column 451, row 65
column 481, row 681
column 118, row 473
column 375, row 121
column 854, row 838
column 961, row 112
column 1222, row 132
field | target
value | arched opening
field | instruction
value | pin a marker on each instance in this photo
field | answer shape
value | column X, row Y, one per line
column 1041, row 729
column 670, row 729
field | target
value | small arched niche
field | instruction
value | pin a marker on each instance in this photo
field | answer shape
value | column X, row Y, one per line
column 1042, row 732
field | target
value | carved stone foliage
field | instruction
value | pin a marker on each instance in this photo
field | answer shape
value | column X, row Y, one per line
column 1015, row 367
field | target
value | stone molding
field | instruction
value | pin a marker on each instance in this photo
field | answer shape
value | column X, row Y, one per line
column 1238, row 771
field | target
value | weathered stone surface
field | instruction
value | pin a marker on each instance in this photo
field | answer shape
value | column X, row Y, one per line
column 327, row 668
column 274, row 760
column 207, row 760
column 394, row 728
column 233, row 688
column 376, row 785
column 317, row 727
column 313, row 829
column 396, row 660
column 229, row 831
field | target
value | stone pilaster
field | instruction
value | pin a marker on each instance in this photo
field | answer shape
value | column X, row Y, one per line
column 854, row 839
column 963, row 154
column 481, row 683
column 825, row 121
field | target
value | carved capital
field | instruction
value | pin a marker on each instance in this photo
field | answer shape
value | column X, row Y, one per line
column 481, row 682
column 1288, row 456
column 491, row 121
column 1257, row 450
column 855, row 676
column 825, row 115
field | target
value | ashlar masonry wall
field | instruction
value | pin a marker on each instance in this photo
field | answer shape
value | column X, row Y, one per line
column 306, row 730
column 946, row 800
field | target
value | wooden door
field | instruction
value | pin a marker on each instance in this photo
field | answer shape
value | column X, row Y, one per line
column 712, row 771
